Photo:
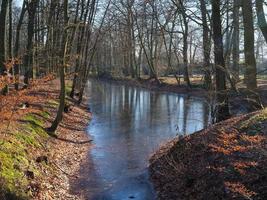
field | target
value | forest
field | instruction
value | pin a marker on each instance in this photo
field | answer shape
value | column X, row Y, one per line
column 128, row 99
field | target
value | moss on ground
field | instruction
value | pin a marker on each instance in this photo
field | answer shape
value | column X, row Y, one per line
column 15, row 158
column 255, row 124
column 68, row 88
column 53, row 103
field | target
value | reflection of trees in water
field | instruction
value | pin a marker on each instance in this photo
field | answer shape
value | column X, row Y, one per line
column 168, row 111
column 131, row 106
column 206, row 115
column 132, row 122
column 185, row 114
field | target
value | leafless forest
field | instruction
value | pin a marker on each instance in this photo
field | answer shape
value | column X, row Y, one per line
column 211, row 48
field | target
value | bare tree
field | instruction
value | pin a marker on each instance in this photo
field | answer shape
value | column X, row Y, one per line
column 206, row 45
column 222, row 110
column 3, row 14
column 28, row 58
column 250, row 61
column 64, row 45
column 236, row 38
column 17, row 45
column 261, row 18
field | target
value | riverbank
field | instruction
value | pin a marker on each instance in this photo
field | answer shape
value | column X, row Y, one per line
column 33, row 164
column 226, row 161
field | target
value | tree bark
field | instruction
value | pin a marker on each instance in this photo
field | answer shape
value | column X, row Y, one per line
column 250, row 61
column 185, row 56
column 185, row 45
column 206, row 45
column 17, row 45
column 236, row 42
column 28, row 59
column 10, row 30
column 222, row 99
column 261, row 18
column 81, row 34
column 2, row 34
column 64, row 47
column 3, row 70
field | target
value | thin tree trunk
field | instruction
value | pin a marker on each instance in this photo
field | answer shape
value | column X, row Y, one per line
column 10, row 30
column 81, row 33
column 185, row 49
column 64, row 46
column 130, row 39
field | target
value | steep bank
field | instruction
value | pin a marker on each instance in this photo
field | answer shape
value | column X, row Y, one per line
column 226, row 161
column 33, row 164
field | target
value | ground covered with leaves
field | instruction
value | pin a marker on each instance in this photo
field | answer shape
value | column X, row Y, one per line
column 226, row 161
column 33, row 164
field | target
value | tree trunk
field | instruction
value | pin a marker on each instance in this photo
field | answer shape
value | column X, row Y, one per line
column 222, row 99
column 28, row 59
column 130, row 37
column 250, row 61
column 64, row 45
column 2, row 34
column 3, row 70
column 236, row 42
column 261, row 18
column 10, row 30
column 81, row 34
column 17, row 44
column 206, row 45
column 185, row 49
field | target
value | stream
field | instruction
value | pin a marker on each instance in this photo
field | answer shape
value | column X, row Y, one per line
column 128, row 125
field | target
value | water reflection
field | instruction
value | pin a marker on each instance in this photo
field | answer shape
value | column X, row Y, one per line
column 129, row 124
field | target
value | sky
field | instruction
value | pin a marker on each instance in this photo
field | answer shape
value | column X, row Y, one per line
column 18, row 2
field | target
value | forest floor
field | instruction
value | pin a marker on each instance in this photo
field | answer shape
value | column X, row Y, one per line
column 32, row 163
column 226, row 161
